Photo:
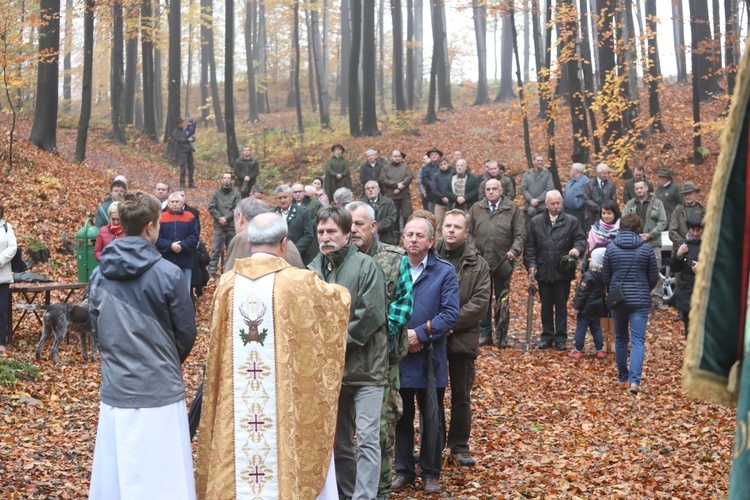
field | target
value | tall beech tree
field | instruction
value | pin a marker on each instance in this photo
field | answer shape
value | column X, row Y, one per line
column 208, row 68
column 131, row 69
column 44, row 129
column 398, row 55
column 68, row 57
column 588, row 74
column 354, row 101
column 410, row 56
column 369, row 64
column 521, row 97
column 569, row 35
column 295, row 72
column 321, row 77
column 479, row 13
column 506, row 60
column 654, row 70
column 249, row 32
column 174, row 74
column 440, row 35
column 116, row 75
column 147, row 69
column 232, row 151
column 697, row 83
column 88, row 70
column 702, row 42
column 346, row 56
column 678, row 32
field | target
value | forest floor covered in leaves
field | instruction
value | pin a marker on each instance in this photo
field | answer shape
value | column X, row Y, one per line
column 545, row 426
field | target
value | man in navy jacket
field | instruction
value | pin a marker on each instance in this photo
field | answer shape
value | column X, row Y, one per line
column 436, row 306
column 178, row 235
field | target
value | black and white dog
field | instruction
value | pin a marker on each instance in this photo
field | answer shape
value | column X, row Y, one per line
column 58, row 319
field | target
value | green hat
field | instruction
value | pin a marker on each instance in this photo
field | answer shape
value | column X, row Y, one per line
column 665, row 172
column 567, row 265
column 689, row 187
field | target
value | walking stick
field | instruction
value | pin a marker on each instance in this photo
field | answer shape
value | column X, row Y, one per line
column 530, row 311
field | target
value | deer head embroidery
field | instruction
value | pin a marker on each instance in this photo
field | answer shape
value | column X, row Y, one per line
column 253, row 322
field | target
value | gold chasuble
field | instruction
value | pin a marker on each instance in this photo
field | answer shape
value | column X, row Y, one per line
column 276, row 358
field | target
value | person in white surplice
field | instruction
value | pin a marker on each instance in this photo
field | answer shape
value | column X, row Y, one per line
column 143, row 321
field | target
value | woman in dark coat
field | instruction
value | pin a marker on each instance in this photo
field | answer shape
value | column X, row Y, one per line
column 685, row 261
column 629, row 263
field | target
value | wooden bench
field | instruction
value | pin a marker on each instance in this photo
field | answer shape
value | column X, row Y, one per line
column 29, row 292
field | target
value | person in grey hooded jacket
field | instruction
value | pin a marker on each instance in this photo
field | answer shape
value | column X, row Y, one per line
column 143, row 321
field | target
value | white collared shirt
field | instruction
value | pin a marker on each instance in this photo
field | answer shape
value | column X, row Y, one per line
column 417, row 271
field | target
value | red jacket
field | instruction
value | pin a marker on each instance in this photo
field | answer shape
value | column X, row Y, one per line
column 106, row 235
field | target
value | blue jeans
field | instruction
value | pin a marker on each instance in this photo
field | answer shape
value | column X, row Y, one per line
column 630, row 327
column 584, row 323
column 188, row 273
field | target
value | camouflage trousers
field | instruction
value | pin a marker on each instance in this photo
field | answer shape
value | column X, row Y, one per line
column 393, row 408
column 501, row 309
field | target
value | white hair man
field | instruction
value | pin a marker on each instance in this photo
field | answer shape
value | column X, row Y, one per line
column 297, row 218
column 385, row 211
column 573, row 192
column 595, row 191
column 291, row 432
column 553, row 238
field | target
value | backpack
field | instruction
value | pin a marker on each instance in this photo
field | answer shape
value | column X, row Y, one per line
column 17, row 264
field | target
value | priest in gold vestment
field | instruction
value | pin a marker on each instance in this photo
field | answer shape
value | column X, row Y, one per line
column 275, row 364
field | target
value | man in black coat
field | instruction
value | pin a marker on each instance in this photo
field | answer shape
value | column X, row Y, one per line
column 385, row 211
column 595, row 191
column 370, row 169
column 297, row 218
column 552, row 235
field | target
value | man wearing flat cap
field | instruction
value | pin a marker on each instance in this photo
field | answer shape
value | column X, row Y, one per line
column 424, row 178
column 678, row 228
column 668, row 192
column 337, row 172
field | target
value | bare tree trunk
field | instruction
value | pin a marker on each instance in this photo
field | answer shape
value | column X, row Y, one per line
column 174, row 74
column 709, row 85
column 431, row 112
column 539, row 55
column 131, row 70
column 189, row 63
column 731, row 45
column 410, row 56
column 506, row 61
column 479, row 10
column 88, row 71
column 67, row 61
column 628, row 63
column 588, row 74
column 208, row 59
column 116, row 79
column 526, row 40
column 44, row 130
column 440, row 37
column 346, row 47
column 369, row 102
column 250, row 22
column 310, row 63
column 569, row 34
column 232, row 151
column 297, row 56
column 678, row 31
column 147, row 65
column 260, row 41
column 524, row 112
column 324, row 100
column 354, row 102
column 381, row 57
column 654, row 69
column 418, row 49
column 138, row 103
column 398, row 55
column 716, row 21
column 607, row 68
column 695, row 40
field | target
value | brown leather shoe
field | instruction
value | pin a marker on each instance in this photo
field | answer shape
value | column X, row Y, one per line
column 431, row 485
column 400, row 482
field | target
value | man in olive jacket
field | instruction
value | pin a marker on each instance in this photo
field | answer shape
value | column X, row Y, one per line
column 395, row 179
column 474, row 292
column 498, row 230
column 221, row 207
column 366, row 364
